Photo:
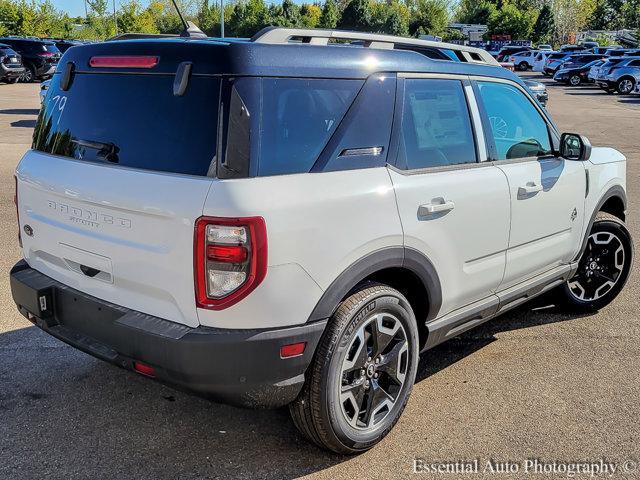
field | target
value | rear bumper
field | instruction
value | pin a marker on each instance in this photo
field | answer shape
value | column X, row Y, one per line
column 238, row 367
column 10, row 73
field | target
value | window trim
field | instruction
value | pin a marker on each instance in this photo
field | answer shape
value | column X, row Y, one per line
column 552, row 131
column 475, row 119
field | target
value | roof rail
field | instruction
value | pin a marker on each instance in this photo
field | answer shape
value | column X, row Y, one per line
column 276, row 35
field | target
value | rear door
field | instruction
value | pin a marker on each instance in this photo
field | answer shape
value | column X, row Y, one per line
column 117, row 177
column 453, row 206
column 547, row 192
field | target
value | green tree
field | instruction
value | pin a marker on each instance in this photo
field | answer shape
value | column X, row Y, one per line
column 357, row 16
column 513, row 21
column 248, row 18
column 429, row 17
column 544, row 26
column 133, row 18
column 474, row 11
column 310, row 15
column 330, row 15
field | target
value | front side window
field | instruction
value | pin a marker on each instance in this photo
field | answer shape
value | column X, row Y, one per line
column 518, row 129
column 436, row 127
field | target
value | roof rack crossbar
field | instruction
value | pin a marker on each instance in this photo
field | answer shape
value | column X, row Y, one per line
column 277, row 35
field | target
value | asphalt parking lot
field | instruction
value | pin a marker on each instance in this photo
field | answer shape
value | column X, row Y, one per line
column 535, row 383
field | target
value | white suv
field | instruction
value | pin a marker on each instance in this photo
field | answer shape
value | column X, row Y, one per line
column 286, row 222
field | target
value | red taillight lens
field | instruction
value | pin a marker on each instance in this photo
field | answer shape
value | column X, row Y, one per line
column 15, row 201
column 293, row 350
column 47, row 54
column 227, row 253
column 144, row 369
column 230, row 259
column 124, row 61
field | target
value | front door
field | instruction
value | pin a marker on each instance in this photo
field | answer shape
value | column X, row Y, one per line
column 547, row 192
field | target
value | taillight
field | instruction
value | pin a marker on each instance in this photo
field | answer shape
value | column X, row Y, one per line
column 46, row 54
column 230, row 259
column 15, row 201
column 124, row 61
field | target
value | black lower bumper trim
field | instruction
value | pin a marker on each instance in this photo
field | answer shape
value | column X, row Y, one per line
column 239, row 367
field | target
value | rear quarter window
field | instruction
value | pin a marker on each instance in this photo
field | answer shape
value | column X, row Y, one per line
column 298, row 117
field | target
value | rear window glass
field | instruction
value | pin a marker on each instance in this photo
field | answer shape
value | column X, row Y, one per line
column 133, row 121
column 298, row 118
column 50, row 47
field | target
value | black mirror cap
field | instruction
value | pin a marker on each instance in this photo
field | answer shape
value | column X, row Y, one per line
column 574, row 146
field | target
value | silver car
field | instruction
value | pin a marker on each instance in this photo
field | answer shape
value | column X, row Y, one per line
column 619, row 74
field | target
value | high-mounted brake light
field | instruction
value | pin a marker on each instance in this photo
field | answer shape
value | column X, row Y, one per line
column 15, row 201
column 230, row 259
column 124, row 61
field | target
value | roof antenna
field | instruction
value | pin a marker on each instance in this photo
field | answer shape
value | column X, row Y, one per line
column 190, row 28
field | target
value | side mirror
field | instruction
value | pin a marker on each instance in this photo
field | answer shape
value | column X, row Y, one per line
column 575, row 147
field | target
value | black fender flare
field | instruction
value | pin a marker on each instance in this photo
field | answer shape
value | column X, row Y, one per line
column 614, row 191
column 389, row 257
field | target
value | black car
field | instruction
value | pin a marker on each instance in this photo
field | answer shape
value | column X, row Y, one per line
column 64, row 45
column 40, row 57
column 576, row 75
column 11, row 68
column 580, row 59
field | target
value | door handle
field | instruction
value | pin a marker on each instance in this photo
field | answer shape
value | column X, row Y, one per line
column 435, row 207
column 529, row 188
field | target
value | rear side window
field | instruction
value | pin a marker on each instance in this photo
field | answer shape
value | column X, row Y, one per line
column 132, row 121
column 436, row 128
column 298, row 118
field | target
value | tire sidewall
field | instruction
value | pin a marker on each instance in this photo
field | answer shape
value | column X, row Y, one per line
column 623, row 234
column 576, row 83
column 353, row 439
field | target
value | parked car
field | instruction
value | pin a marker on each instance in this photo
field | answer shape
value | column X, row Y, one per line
column 11, row 68
column 538, row 89
column 576, row 75
column 64, row 45
column 39, row 57
column 523, row 60
column 619, row 74
column 539, row 60
column 572, row 48
column 593, row 70
column 553, row 62
column 44, row 88
column 506, row 52
column 579, row 60
column 325, row 235
column 545, row 47
column 617, row 52
column 589, row 45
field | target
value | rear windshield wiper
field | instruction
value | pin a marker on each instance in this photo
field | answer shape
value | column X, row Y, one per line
column 106, row 150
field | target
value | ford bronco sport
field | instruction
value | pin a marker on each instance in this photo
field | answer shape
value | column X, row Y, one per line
column 290, row 220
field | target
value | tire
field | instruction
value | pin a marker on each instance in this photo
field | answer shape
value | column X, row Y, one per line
column 13, row 80
column 625, row 85
column 523, row 66
column 575, row 80
column 29, row 75
column 331, row 410
column 603, row 268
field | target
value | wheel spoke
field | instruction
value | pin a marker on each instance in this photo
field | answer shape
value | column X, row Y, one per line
column 357, row 355
column 377, row 400
column 391, row 363
column 354, row 395
column 382, row 333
